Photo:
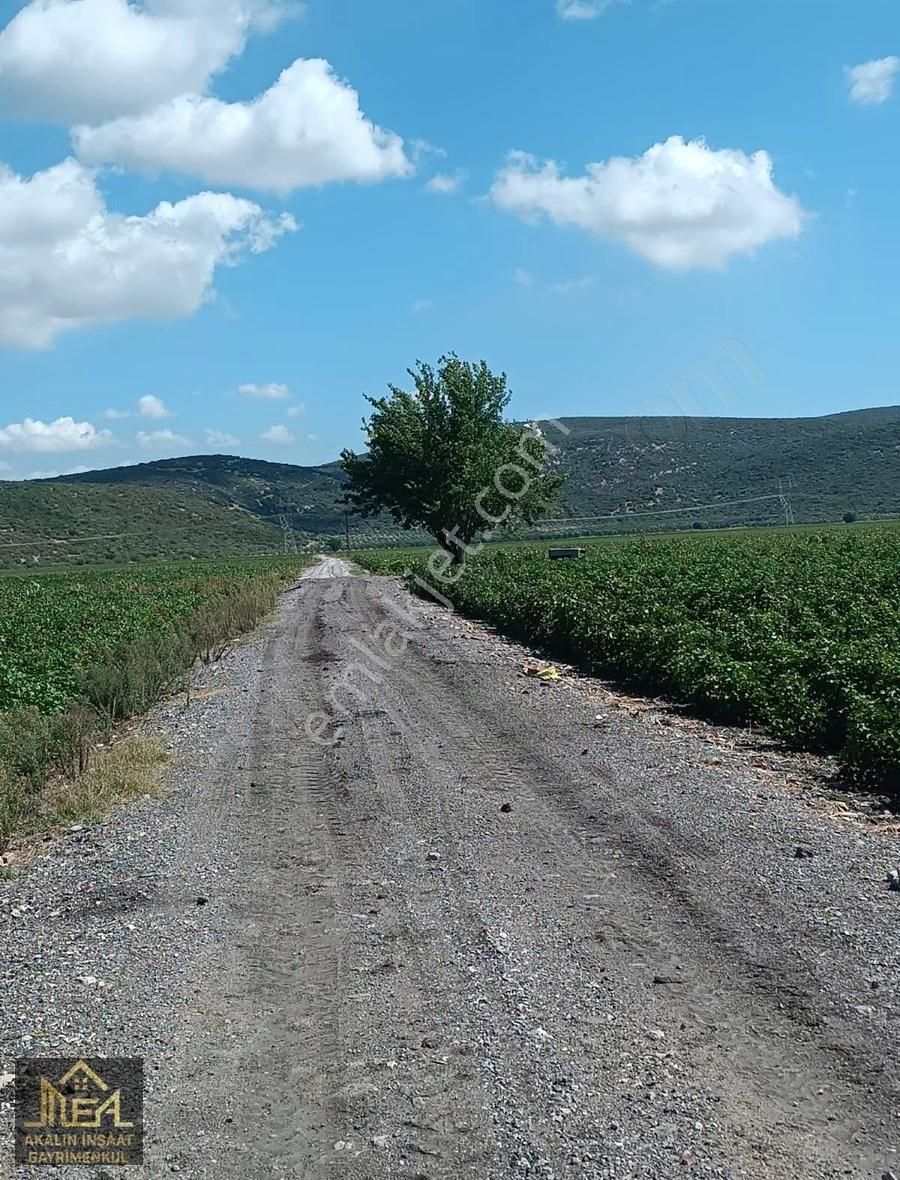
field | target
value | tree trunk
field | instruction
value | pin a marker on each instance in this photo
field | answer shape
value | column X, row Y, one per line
column 455, row 548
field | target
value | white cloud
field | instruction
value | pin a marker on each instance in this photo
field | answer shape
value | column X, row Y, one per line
column 221, row 438
column 274, row 391
column 277, row 434
column 66, row 261
column 297, row 411
column 582, row 9
column 90, row 60
column 567, row 286
column 115, row 415
column 161, row 438
column 446, row 183
column 65, row 434
column 306, row 130
column 872, row 82
column 523, row 278
column 80, row 470
column 150, row 406
column 422, row 305
column 680, row 205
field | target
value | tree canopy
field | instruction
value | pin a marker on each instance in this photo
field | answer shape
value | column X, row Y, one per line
column 442, row 457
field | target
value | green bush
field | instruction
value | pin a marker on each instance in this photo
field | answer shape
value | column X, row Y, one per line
column 81, row 651
column 795, row 632
column 26, row 745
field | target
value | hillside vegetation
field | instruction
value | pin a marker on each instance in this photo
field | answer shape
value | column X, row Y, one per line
column 86, row 523
column 258, row 487
column 830, row 465
column 624, row 474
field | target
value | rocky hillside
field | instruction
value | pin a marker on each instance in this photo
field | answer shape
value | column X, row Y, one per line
column 623, row 474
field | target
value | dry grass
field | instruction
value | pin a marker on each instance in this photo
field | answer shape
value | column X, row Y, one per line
column 123, row 772
column 116, row 774
column 51, row 769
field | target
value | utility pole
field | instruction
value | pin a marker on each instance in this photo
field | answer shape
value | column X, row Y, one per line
column 785, row 501
column 286, row 521
column 347, row 530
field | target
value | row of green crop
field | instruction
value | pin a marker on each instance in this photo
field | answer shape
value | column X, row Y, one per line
column 54, row 627
column 79, row 652
column 798, row 632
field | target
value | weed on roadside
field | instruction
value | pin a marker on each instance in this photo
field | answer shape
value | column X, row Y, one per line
column 127, row 770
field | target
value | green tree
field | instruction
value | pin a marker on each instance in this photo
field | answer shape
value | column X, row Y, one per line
column 442, row 457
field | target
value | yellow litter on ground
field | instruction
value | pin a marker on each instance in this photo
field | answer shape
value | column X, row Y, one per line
column 543, row 672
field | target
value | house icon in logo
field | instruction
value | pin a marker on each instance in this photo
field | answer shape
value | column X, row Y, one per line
column 83, row 1079
column 80, row 1098
column 79, row 1111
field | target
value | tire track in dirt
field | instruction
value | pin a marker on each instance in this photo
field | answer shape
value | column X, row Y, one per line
column 269, row 1030
column 411, row 981
column 746, row 1007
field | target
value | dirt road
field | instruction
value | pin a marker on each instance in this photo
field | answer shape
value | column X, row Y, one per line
column 329, row 567
column 485, row 928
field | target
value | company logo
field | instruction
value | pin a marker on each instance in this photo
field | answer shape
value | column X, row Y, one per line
column 72, row 1111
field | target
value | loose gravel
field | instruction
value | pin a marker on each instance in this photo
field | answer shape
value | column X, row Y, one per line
column 497, row 928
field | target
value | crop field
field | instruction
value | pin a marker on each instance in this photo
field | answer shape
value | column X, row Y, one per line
column 55, row 627
column 81, row 650
column 794, row 631
column 416, row 547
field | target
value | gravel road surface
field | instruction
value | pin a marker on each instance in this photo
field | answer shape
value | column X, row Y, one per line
column 475, row 927
column 329, row 567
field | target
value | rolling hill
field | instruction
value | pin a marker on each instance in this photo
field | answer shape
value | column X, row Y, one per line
column 829, row 465
column 623, row 474
column 44, row 522
column 255, row 486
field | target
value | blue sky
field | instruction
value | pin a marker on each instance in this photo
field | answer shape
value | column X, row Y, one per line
column 369, row 212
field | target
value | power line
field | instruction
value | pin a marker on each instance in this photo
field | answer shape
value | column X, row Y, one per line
column 81, row 538
column 286, row 512
column 77, row 540
column 287, row 529
column 786, row 501
column 70, row 540
column 287, row 520
column 660, row 511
